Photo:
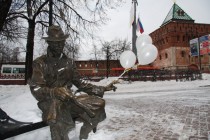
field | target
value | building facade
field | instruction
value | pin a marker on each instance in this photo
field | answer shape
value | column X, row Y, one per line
column 99, row 68
column 172, row 41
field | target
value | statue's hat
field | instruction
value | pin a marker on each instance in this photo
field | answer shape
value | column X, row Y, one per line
column 55, row 33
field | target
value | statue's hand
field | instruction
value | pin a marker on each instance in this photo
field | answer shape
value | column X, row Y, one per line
column 62, row 93
column 111, row 86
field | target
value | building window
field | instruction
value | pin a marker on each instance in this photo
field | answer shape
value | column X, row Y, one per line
column 166, row 55
column 160, row 57
column 163, row 42
column 183, row 39
column 7, row 70
column 183, row 53
column 180, row 13
column 85, row 64
column 178, row 38
column 18, row 70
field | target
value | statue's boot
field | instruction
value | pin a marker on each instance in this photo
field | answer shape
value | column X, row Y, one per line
column 85, row 130
column 89, row 124
column 95, row 129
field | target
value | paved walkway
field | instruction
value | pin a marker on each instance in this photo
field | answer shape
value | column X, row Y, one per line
column 175, row 115
column 172, row 114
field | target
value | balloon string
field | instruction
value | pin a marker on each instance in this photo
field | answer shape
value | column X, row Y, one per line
column 126, row 70
column 122, row 74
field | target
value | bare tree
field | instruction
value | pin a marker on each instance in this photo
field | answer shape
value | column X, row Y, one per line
column 72, row 48
column 11, row 27
column 4, row 9
column 96, row 53
column 6, row 53
column 78, row 18
column 113, row 49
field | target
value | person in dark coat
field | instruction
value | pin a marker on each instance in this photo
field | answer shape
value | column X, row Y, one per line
column 51, row 82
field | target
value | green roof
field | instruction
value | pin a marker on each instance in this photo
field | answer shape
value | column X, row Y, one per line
column 176, row 13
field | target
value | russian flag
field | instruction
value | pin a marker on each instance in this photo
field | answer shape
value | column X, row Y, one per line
column 139, row 26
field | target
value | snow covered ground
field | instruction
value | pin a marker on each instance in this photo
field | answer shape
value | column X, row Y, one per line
column 136, row 111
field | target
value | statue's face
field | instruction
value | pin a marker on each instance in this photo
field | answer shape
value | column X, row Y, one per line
column 56, row 47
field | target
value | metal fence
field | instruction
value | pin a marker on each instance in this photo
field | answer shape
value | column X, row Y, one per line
column 154, row 75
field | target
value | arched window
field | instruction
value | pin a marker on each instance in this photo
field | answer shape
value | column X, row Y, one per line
column 166, row 55
column 183, row 39
column 178, row 38
column 160, row 57
column 183, row 53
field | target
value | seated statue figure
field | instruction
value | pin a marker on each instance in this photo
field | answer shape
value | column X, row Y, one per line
column 51, row 82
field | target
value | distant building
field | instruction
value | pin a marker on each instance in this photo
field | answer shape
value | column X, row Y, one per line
column 99, row 68
column 172, row 41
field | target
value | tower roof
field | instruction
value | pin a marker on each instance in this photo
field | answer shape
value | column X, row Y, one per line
column 176, row 14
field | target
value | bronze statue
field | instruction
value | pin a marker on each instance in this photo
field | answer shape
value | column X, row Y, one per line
column 51, row 82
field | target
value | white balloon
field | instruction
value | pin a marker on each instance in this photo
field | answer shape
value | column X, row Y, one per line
column 127, row 59
column 147, row 54
column 142, row 40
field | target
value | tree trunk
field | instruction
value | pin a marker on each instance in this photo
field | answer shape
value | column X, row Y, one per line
column 4, row 9
column 29, row 50
column 107, row 62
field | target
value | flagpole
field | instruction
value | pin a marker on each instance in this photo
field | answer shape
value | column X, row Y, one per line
column 134, row 36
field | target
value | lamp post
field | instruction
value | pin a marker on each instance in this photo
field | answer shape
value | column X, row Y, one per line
column 107, row 61
column 199, row 54
column 134, row 36
column 1, row 57
column 50, row 12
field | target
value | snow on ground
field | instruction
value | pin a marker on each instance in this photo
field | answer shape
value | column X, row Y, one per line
column 136, row 111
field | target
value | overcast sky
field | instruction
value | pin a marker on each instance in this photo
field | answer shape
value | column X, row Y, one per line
column 152, row 14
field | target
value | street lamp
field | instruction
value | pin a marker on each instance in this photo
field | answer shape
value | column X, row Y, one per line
column 50, row 12
column 134, row 36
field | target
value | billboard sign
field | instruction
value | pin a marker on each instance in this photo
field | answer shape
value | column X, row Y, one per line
column 204, row 44
column 194, row 47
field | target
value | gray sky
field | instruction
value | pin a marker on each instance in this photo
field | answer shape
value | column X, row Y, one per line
column 152, row 14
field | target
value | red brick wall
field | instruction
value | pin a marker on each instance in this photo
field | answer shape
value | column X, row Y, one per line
column 88, row 67
column 173, row 39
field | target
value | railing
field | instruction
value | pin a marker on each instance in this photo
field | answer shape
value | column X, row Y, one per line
column 12, row 76
column 153, row 75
